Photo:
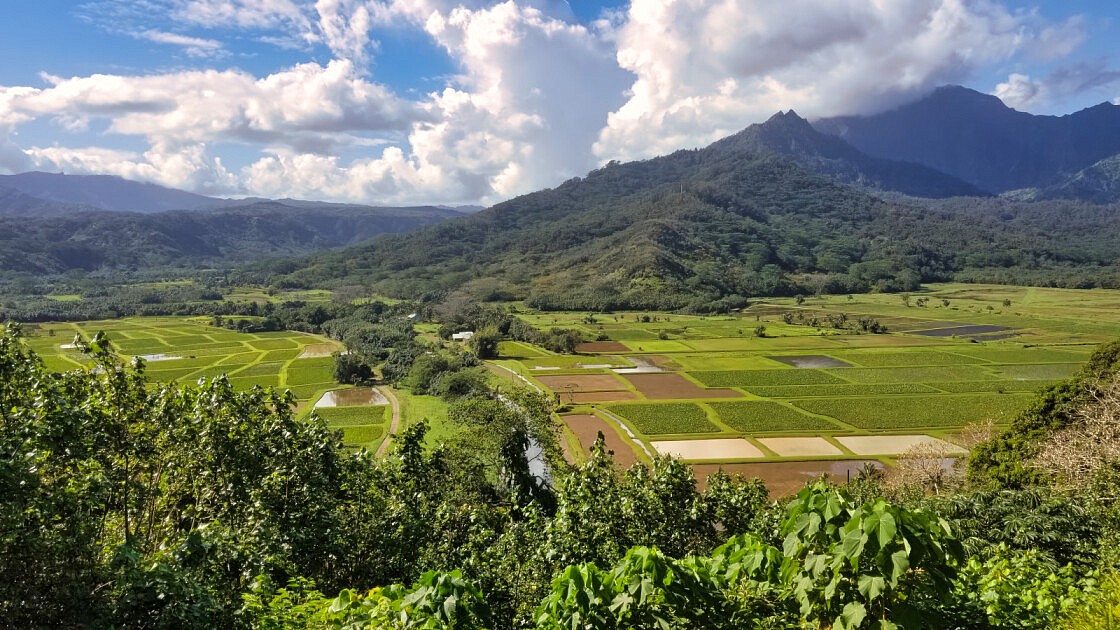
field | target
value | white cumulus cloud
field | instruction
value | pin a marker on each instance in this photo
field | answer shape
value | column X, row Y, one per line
column 537, row 97
column 706, row 68
column 1020, row 91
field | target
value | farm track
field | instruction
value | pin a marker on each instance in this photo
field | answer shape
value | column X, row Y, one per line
column 394, row 424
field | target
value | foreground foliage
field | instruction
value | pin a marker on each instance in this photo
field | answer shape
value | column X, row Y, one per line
column 128, row 504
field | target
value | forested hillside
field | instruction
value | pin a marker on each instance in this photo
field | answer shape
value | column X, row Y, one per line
column 89, row 241
column 701, row 229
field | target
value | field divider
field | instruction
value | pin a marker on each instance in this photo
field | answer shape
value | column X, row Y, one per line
column 839, row 423
column 395, row 421
column 248, row 365
column 762, row 448
column 713, row 417
column 517, row 376
column 831, row 439
column 282, row 378
column 630, row 433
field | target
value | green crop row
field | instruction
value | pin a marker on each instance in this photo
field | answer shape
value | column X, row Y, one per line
column 746, row 378
column 367, row 436
column 851, row 389
column 664, row 418
column 355, row 416
column 763, row 415
column 1041, row 372
column 248, row 383
column 898, row 412
column 906, row 359
column 273, row 344
column 991, row 386
column 1026, row 355
column 915, row 374
column 308, row 371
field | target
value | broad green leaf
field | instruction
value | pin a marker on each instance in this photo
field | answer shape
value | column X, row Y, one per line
column 900, row 564
column 852, row 544
column 871, row 587
column 852, row 615
column 887, row 529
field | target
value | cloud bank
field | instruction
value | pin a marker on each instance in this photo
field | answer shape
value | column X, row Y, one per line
column 538, row 96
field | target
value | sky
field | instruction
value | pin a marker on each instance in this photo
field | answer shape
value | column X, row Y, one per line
column 476, row 101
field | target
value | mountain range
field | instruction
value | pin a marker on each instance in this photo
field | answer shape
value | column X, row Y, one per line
column 975, row 137
column 750, row 214
column 705, row 229
column 97, row 239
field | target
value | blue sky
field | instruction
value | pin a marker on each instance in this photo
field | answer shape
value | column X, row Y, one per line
column 448, row 101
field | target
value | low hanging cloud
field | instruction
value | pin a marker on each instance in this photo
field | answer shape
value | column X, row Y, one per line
column 707, row 68
column 537, row 98
column 1024, row 92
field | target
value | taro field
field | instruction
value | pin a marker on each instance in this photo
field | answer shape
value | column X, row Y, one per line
column 187, row 349
column 787, row 381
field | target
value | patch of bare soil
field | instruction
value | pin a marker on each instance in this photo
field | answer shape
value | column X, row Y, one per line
column 587, row 428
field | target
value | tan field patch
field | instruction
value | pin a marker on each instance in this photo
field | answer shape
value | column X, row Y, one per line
column 601, row 346
column 668, row 386
column 783, row 478
column 800, row 446
column 590, row 397
column 895, row 444
column 725, row 448
column 582, row 383
column 587, row 428
column 317, row 351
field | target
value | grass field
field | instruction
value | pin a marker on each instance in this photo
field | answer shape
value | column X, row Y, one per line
column 191, row 349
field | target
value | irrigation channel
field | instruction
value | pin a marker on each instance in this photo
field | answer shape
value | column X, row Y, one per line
column 534, row 454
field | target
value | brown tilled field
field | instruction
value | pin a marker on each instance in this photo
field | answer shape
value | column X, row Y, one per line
column 587, row 427
column 582, row 383
column 668, row 386
column 591, row 397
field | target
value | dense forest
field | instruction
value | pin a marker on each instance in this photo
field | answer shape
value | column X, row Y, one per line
column 129, row 504
column 191, row 240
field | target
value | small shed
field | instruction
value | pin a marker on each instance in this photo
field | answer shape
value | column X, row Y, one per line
column 463, row 336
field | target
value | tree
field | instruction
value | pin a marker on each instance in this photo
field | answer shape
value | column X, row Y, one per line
column 484, row 343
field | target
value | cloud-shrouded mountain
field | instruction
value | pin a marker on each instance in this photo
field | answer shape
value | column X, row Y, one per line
column 976, row 138
column 790, row 135
column 106, row 192
column 704, row 228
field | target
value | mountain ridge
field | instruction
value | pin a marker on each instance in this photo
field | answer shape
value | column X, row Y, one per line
column 703, row 229
column 794, row 137
column 977, row 138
